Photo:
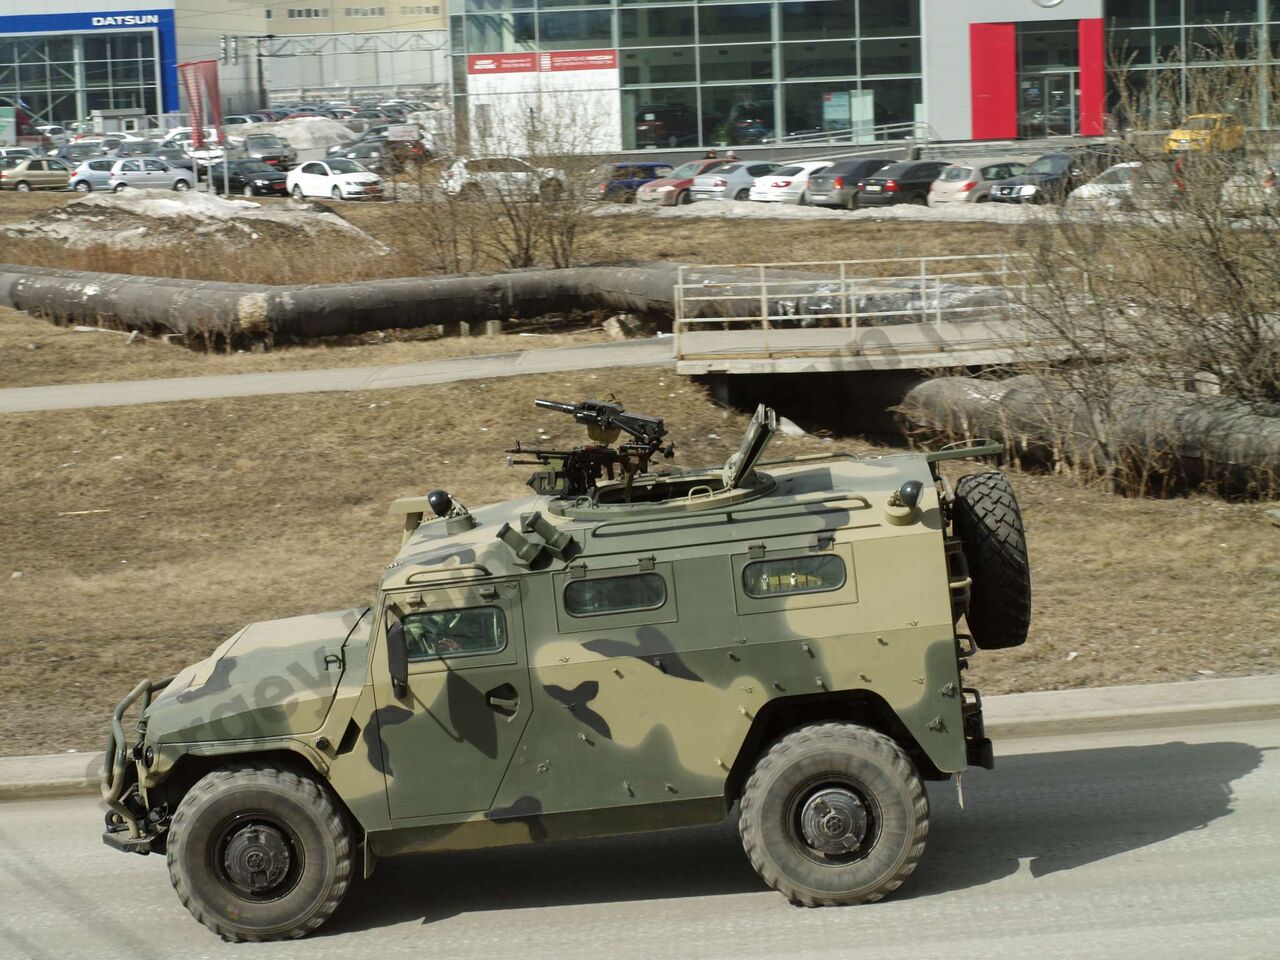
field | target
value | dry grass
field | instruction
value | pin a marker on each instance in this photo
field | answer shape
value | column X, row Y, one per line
column 33, row 352
column 610, row 239
column 224, row 512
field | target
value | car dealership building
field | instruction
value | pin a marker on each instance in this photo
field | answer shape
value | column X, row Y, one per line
column 729, row 72
column 64, row 59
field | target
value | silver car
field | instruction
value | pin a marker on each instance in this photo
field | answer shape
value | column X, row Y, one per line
column 970, row 180
column 730, row 182
column 149, row 172
column 93, row 175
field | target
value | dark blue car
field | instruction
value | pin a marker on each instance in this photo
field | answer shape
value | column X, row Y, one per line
column 620, row 181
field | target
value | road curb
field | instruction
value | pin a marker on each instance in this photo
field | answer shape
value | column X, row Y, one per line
column 1009, row 717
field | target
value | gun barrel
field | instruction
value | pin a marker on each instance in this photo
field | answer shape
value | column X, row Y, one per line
column 556, row 405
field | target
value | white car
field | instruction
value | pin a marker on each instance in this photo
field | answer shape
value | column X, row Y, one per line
column 508, row 177
column 789, row 184
column 59, row 135
column 1126, row 186
column 140, row 172
column 335, row 177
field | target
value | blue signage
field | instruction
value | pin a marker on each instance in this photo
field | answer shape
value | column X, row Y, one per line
column 159, row 20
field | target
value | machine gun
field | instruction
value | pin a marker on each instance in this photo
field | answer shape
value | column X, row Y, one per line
column 574, row 472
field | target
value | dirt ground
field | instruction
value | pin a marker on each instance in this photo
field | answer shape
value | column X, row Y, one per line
column 34, row 352
column 139, row 537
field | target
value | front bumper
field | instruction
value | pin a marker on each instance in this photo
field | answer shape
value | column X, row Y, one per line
column 130, row 826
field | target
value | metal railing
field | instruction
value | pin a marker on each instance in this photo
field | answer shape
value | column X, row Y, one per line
column 861, row 135
column 886, row 305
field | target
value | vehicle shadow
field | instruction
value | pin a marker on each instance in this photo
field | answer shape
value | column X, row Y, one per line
column 1054, row 811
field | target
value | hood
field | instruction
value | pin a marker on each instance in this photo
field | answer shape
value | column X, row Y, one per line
column 1029, row 178
column 273, row 678
column 667, row 182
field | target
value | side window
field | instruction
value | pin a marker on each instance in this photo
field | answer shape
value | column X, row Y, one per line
column 315, row 168
column 792, row 575
column 470, row 631
column 131, row 166
column 156, row 165
column 35, row 165
column 591, row 598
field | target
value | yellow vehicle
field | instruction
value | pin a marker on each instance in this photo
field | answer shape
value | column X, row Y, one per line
column 1207, row 133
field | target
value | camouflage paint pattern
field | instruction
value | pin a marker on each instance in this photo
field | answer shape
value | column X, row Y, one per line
column 623, row 721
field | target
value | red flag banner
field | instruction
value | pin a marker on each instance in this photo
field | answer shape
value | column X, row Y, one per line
column 200, row 83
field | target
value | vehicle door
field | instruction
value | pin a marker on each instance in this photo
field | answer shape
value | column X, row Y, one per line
column 59, row 173
column 313, row 178
column 130, row 173
column 156, row 173
column 447, row 738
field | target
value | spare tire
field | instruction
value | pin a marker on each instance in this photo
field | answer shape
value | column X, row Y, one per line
column 989, row 525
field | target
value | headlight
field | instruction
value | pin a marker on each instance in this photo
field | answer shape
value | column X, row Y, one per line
column 666, row 188
column 1027, row 190
column 261, row 183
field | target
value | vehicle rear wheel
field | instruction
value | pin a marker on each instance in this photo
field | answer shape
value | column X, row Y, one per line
column 296, row 192
column 336, row 193
column 118, row 188
column 989, row 525
column 743, row 194
column 834, row 814
column 804, row 199
column 181, row 185
column 852, row 202
column 919, row 200
column 983, row 198
column 259, row 853
column 83, row 186
column 23, row 187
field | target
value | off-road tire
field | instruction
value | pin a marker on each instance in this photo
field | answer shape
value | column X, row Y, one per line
column 989, row 525
column 319, row 829
column 802, row 762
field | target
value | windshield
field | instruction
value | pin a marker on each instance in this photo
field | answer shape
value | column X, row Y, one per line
column 83, row 150
column 1202, row 123
column 255, row 166
column 1119, row 174
column 346, row 166
column 1051, row 164
column 686, row 170
column 956, row 173
column 263, row 143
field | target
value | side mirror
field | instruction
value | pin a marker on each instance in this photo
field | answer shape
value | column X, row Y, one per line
column 398, row 659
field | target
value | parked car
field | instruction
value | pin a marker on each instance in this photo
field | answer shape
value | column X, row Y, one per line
column 666, row 125
column 750, row 122
column 789, row 184
column 35, row 173
column 732, row 181
column 837, row 186
column 236, row 120
column 74, row 153
column 618, row 182
column 137, row 148
column 905, row 182
column 1050, row 178
column 1252, row 189
column 253, row 178
column 59, row 135
column 269, row 149
column 334, row 177
column 149, row 172
column 509, row 177
column 1207, row 133
column 970, row 180
column 92, row 175
column 176, row 157
column 1126, row 186
column 674, row 189
column 17, row 153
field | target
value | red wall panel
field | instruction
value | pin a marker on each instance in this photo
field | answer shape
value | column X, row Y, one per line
column 1093, row 79
column 993, row 79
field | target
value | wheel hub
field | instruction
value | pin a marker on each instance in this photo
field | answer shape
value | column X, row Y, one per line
column 834, row 821
column 257, row 858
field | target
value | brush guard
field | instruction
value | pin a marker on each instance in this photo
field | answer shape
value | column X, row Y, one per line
column 129, row 828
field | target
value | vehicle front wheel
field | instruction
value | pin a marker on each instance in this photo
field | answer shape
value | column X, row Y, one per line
column 247, row 191
column 834, row 814
column 336, row 193
column 259, row 853
column 683, row 198
column 181, row 185
column 296, row 192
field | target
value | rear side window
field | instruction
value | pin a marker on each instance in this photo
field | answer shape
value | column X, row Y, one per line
column 761, row 169
column 959, row 173
column 789, row 171
column 792, row 575
column 590, row 598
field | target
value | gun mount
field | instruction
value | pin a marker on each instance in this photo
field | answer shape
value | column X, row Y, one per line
column 574, row 472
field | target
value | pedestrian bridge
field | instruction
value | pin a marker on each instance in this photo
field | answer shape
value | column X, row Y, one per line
column 914, row 313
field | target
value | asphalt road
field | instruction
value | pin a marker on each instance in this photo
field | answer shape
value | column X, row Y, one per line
column 1149, row 844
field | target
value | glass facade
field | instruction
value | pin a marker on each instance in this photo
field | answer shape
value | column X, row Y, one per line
column 1193, row 56
column 61, row 78
column 717, row 73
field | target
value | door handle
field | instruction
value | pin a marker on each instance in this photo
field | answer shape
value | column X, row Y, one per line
column 504, row 699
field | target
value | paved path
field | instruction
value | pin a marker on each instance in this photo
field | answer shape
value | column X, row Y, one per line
column 629, row 353
column 1133, row 845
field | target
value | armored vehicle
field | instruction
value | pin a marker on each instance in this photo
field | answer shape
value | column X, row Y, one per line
column 627, row 649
